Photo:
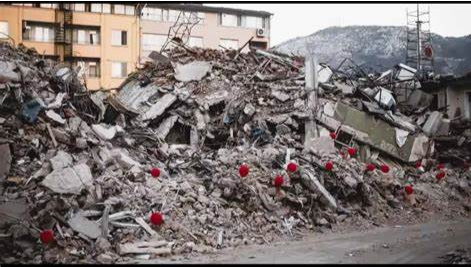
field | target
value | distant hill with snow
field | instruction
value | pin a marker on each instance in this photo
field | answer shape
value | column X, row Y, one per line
column 379, row 47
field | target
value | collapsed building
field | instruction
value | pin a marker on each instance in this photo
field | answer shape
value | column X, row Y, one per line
column 77, row 163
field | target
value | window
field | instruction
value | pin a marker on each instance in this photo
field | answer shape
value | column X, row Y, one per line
column 195, row 41
column 151, row 13
column 173, row 15
column 129, row 10
column 79, row 7
column 38, row 33
column 119, row 37
column 90, row 69
column 96, row 8
column 107, row 8
column 48, row 5
column 229, row 43
column 83, row 36
column 118, row 69
column 252, row 22
column 3, row 29
column 201, row 17
column 119, row 9
column 153, row 42
column 229, row 20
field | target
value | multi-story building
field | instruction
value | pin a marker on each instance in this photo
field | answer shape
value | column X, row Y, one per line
column 211, row 27
column 110, row 40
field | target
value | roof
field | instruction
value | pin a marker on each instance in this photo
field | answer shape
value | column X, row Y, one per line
column 211, row 9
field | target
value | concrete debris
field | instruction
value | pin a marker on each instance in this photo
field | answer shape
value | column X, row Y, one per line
column 193, row 71
column 61, row 160
column 153, row 169
column 84, row 226
column 5, row 161
column 69, row 180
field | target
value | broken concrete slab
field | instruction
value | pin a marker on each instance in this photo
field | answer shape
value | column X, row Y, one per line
column 106, row 133
column 7, row 73
column 280, row 95
column 55, row 117
column 84, row 226
column 12, row 210
column 159, row 107
column 5, row 161
column 69, row 180
column 61, row 160
column 433, row 123
column 193, row 71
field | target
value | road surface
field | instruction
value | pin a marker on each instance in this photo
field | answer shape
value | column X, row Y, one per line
column 423, row 243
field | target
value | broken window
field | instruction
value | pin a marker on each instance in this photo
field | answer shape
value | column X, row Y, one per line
column 79, row 7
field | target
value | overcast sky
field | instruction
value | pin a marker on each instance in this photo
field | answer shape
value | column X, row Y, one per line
column 293, row 20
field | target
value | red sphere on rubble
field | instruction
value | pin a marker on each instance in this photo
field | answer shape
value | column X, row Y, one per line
column 156, row 218
column 46, row 236
column 385, row 168
column 333, row 135
column 409, row 190
column 440, row 175
column 418, row 164
column 329, row 166
column 370, row 167
column 466, row 166
column 352, row 151
column 440, row 166
column 278, row 182
column 292, row 167
column 155, row 172
column 243, row 170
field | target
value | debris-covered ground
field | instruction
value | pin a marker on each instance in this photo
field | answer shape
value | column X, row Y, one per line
column 206, row 149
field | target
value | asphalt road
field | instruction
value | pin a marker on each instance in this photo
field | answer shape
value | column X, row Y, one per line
column 423, row 243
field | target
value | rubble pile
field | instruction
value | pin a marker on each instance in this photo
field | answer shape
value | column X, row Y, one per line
column 156, row 168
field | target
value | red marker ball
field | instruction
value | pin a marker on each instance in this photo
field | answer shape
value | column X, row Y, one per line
column 156, row 218
column 243, row 170
column 409, row 190
column 352, row 151
column 333, row 135
column 329, row 166
column 155, row 172
column 278, row 182
column 370, row 167
column 466, row 166
column 385, row 168
column 292, row 167
column 46, row 236
column 440, row 175
column 418, row 164
column 441, row 166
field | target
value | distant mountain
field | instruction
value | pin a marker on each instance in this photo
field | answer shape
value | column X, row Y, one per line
column 379, row 47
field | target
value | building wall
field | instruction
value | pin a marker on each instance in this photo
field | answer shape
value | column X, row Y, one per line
column 107, row 53
column 210, row 30
column 457, row 100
